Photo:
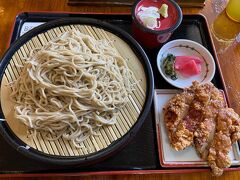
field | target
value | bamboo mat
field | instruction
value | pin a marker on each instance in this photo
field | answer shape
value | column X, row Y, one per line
column 108, row 134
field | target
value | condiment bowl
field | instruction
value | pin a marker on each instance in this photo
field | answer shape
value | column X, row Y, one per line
column 154, row 37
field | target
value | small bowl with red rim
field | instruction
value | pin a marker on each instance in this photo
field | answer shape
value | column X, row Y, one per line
column 154, row 37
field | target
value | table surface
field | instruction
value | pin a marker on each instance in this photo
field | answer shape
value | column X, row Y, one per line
column 227, row 50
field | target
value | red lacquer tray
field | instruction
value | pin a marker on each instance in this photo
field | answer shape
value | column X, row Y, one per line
column 141, row 156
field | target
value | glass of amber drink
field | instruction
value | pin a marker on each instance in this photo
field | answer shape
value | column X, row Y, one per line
column 233, row 10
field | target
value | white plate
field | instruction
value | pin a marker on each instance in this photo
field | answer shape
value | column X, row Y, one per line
column 183, row 47
column 167, row 155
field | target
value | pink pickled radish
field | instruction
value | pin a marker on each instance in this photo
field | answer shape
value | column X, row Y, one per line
column 188, row 65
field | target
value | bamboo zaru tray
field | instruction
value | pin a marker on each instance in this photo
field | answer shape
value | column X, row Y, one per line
column 111, row 138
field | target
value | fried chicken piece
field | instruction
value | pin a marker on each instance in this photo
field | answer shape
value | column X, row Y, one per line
column 174, row 112
column 199, row 115
column 227, row 132
column 184, row 133
column 218, row 153
column 184, row 112
column 204, row 134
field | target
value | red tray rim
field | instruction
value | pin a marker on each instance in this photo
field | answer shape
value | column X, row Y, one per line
column 121, row 172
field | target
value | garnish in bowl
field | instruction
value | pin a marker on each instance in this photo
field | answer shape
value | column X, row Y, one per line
column 169, row 66
column 188, row 66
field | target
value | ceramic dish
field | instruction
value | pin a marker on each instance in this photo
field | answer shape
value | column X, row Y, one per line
column 167, row 155
column 184, row 47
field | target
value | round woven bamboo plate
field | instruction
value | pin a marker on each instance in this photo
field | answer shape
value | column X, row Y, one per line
column 111, row 138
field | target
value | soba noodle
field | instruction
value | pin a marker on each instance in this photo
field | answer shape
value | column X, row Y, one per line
column 71, row 87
